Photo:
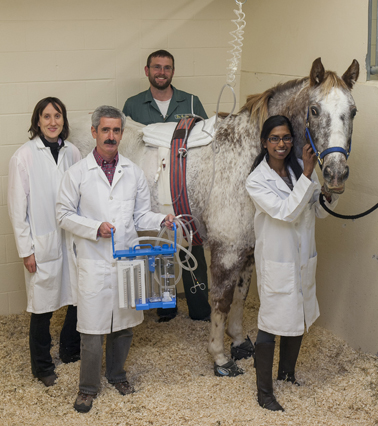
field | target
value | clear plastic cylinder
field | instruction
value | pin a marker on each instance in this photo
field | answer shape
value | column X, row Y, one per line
column 167, row 268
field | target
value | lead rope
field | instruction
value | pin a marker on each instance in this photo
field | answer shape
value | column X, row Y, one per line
column 342, row 216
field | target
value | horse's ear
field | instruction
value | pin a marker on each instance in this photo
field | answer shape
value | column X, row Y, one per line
column 317, row 72
column 351, row 74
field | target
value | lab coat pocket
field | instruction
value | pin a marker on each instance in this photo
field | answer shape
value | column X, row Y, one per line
column 91, row 275
column 47, row 247
column 279, row 277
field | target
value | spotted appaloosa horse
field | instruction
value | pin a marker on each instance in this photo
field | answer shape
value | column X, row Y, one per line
column 324, row 101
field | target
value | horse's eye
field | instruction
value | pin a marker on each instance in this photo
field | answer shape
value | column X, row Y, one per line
column 314, row 111
column 353, row 112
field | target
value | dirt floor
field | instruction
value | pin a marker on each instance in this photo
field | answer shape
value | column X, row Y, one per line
column 175, row 385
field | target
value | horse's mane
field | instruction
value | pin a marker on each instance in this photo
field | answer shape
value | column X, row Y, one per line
column 257, row 105
column 331, row 80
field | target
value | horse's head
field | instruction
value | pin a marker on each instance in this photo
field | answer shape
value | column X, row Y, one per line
column 331, row 110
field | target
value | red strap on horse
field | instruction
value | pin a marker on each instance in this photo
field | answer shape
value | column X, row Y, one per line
column 179, row 194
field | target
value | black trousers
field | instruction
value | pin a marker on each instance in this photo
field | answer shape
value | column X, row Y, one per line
column 40, row 341
column 265, row 337
column 199, row 307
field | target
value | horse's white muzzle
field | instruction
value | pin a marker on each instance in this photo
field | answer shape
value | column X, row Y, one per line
column 335, row 173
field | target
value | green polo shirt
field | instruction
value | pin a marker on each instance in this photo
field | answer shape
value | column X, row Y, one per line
column 143, row 108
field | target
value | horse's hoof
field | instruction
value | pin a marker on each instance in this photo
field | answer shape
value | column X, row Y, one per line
column 229, row 369
column 245, row 350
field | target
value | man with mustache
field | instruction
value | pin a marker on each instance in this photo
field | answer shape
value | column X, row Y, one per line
column 164, row 103
column 104, row 191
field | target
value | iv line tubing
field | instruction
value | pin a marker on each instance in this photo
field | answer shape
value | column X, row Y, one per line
column 164, row 240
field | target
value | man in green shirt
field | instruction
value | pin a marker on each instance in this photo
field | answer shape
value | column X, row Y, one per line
column 164, row 103
column 161, row 102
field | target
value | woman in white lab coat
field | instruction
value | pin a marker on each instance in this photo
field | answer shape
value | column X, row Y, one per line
column 35, row 172
column 285, row 194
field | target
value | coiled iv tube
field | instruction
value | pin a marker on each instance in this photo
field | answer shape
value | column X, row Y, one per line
column 237, row 43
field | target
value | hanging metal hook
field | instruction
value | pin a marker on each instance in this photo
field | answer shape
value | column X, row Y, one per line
column 240, row 2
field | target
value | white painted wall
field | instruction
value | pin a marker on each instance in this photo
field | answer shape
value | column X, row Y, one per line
column 283, row 37
column 89, row 53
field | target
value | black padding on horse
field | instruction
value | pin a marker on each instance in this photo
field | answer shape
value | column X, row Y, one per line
column 230, row 369
column 245, row 350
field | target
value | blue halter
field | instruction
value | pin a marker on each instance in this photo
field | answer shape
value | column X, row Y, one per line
column 320, row 155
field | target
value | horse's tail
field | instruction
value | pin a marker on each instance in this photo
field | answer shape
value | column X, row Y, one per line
column 257, row 106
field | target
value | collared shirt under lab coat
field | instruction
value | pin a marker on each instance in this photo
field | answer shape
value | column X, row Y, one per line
column 143, row 108
column 285, row 249
column 34, row 179
column 85, row 200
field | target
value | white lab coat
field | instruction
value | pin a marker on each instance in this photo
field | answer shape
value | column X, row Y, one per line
column 285, row 249
column 34, row 179
column 85, row 200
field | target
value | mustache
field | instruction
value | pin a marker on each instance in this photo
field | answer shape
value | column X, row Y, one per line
column 110, row 142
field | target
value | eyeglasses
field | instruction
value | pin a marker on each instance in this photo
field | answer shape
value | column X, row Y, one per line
column 286, row 139
column 160, row 68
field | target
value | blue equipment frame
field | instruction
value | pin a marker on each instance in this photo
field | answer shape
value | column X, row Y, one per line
column 150, row 251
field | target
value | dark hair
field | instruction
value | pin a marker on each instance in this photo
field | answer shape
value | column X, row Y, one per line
column 160, row 54
column 291, row 160
column 38, row 110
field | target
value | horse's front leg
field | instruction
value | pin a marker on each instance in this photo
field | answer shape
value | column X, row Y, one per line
column 241, row 347
column 224, row 280
column 220, row 307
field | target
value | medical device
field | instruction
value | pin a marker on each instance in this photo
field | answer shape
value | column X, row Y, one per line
column 146, row 277
column 236, row 43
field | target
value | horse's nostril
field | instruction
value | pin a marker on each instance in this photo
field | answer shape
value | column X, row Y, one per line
column 346, row 173
column 327, row 173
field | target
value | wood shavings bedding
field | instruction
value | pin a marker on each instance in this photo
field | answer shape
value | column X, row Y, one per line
column 173, row 375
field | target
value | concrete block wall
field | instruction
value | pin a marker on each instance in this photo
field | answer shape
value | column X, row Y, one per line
column 90, row 53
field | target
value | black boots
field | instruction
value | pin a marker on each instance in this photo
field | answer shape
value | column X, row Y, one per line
column 289, row 350
column 264, row 365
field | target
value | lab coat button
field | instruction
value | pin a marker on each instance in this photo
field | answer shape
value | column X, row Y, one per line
column 113, row 264
column 113, row 220
column 111, row 198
